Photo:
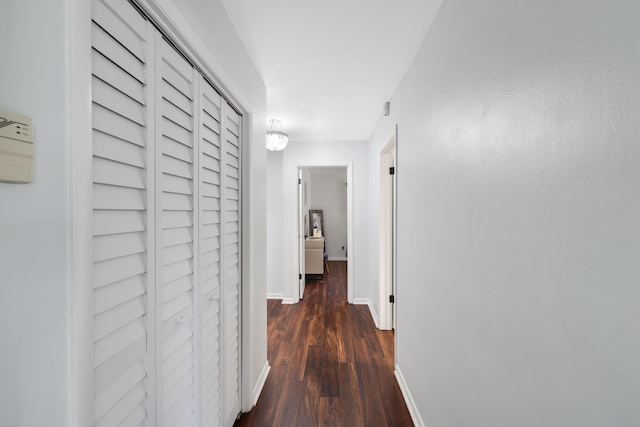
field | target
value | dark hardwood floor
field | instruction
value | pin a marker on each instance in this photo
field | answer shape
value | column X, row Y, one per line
column 330, row 366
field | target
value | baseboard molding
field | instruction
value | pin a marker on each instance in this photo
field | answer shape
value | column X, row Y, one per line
column 290, row 300
column 367, row 301
column 337, row 258
column 275, row 296
column 257, row 390
column 408, row 399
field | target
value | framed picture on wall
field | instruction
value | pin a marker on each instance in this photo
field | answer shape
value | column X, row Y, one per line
column 316, row 223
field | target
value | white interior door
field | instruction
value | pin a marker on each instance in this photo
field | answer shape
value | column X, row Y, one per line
column 231, row 265
column 387, row 291
column 301, row 231
column 176, row 217
column 211, row 253
column 124, row 259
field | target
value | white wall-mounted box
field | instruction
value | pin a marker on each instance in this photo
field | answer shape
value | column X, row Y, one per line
column 16, row 148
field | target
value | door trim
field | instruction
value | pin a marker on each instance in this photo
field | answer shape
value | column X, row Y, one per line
column 350, row 222
column 386, row 233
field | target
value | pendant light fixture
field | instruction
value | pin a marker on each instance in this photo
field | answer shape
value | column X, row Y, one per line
column 277, row 139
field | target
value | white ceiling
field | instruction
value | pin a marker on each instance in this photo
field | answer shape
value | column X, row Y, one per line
column 329, row 66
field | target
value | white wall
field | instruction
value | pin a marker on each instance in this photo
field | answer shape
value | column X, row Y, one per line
column 329, row 193
column 323, row 154
column 34, row 310
column 519, row 216
column 275, row 209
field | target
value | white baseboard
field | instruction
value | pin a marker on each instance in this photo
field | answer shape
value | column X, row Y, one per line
column 411, row 405
column 290, row 300
column 367, row 301
column 260, row 384
column 275, row 295
column 337, row 258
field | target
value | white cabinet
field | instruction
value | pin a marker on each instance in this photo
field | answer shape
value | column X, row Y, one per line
column 314, row 255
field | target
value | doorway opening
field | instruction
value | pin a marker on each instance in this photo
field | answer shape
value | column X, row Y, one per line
column 326, row 192
column 387, row 233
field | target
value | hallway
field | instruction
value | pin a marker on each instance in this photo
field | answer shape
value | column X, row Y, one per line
column 329, row 364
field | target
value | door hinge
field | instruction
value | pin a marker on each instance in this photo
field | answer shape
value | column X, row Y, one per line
column 392, row 170
column 300, row 276
column 299, row 181
column 392, row 299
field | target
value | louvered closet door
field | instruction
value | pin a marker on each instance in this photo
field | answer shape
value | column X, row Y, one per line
column 122, row 259
column 231, row 264
column 176, row 221
column 210, row 250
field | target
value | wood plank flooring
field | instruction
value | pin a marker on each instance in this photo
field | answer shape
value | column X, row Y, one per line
column 330, row 366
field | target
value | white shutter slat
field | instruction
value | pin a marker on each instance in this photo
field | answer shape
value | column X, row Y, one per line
column 211, row 132
column 209, row 190
column 175, row 97
column 132, row 19
column 177, row 305
column 177, row 202
column 177, row 185
column 117, row 125
column 114, row 343
column 109, row 197
column 211, row 100
column 172, row 166
column 181, row 413
column 210, row 177
column 117, row 365
column 176, row 219
column 117, row 389
column 176, row 253
column 176, row 236
column 109, row 147
column 175, row 289
column 105, row 44
column 210, row 284
column 110, row 296
column 121, row 315
column 176, row 271
column 115, row 270
column 106, row 171
column 211, row 159
column 175, row 359
column 113, row 100
column 177, row 150
column 136, row 418
column 120, row 29
column 210, row 226
column 115, row 246
column 173, row 78
column 211, row 204
column 120, row 414
column 175, row 62
column 115, row 76
column 115, row 222
column 177, row 116
column 175, row 132
column 210, row 245
column 176, row 331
